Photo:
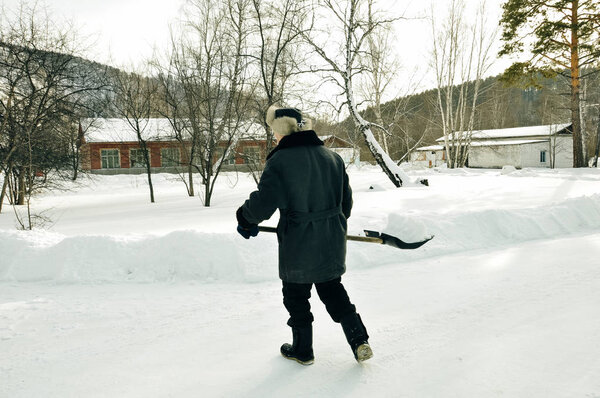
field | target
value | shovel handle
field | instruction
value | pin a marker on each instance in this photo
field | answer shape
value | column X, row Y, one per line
column 348, row 237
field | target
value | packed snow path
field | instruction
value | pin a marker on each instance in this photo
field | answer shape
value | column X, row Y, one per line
column 131, row 299
column 520, row 321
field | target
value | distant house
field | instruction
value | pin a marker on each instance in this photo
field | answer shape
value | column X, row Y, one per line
column 345, row 149
column 534, row 146
column 110, row 146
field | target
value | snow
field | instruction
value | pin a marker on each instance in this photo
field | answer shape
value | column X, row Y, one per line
column 431, row 148
column 119, row 130
column 121, row 297
column 505, row 142
column 483, row 143
column 530, row 131
column 508, row 169
column 153, row 129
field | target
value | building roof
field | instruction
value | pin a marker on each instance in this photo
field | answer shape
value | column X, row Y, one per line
column 333, row 137
column 431, row 148
column 119, row 130
column 505, row 142
column 517, row 132
column 484, row 143
column 154, row 129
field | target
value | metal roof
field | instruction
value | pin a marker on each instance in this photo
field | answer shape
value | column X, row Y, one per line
column 485, row 143
column 153, row 129
column 516, row 132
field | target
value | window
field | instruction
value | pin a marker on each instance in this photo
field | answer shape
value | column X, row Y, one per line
column 542, row 156
column 229, row 160
column 110, row 158
column 169, row 157
column 136, row 158
column 251, row 155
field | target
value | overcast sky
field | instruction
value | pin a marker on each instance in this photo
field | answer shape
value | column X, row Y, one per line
column 122, row 30
column 126, row 31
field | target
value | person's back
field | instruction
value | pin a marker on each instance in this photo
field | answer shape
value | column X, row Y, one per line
column 316, row 201
column 315, row 167
column 309, row 185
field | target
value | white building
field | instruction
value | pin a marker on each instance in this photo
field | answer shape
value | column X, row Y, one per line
column 348, row 152
column 534, row 146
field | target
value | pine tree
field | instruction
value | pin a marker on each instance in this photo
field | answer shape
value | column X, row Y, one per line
column 562, row 37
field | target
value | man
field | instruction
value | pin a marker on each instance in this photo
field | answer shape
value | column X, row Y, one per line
column 309, row 185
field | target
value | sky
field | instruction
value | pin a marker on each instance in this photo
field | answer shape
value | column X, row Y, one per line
column 121, row 32
column 125, row 32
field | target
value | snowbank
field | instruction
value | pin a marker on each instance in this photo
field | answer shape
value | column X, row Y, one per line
column 181, row 255
column 191, row 255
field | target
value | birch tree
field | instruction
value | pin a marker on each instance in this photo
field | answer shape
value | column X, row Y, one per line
column 381, row 70
column 461, row 56
column 342, row 55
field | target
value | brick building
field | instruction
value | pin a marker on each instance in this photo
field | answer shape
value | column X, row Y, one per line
column 110, row 146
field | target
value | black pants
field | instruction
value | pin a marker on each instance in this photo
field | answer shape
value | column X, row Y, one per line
column 331, row 293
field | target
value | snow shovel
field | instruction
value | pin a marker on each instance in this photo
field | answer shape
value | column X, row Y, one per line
column 372, row 237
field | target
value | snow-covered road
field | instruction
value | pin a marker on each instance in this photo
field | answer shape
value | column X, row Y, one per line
column 519, row 321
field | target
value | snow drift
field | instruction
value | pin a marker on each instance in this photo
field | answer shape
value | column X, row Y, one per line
column 192, row 255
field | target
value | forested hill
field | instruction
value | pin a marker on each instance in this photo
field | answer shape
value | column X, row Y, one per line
column 416, row 118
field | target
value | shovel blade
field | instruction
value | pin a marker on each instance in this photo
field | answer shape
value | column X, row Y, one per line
column 396, row 242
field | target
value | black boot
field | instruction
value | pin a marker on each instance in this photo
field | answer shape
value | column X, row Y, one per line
column 357, row 336
column 301, row 349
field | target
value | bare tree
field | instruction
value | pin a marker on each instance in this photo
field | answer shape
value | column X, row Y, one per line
column 44, row 85
column 276, row 52
column 179, row 93
column 206, row 88
column 342, row 67
column 135, row 97
column 381, row 69
column 408, row 134
column 461, row 57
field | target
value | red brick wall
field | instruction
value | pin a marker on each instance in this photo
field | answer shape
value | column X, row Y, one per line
column 244, row 144
column 91, row 159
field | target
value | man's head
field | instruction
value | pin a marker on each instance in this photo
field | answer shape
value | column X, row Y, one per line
column 285, row 121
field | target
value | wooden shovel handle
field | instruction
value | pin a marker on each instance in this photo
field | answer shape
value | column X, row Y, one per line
column 348, row 237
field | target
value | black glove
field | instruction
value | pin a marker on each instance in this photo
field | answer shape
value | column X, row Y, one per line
column 248, row 232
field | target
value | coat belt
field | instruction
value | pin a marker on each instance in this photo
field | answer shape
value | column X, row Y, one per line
column 304, row 217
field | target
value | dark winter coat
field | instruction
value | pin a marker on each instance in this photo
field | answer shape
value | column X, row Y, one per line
column 309, row 185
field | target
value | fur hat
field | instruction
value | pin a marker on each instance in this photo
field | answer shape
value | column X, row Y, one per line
column 285, row 121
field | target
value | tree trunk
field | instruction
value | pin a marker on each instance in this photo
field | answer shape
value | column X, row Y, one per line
column 597, row 141
column 21, row 187
column 379, row 121
column 149, row 172
column 375, row 148
column 578, row 158
column 207, row 193
column 190, row 180
column 3, row 192
column 147, row 164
